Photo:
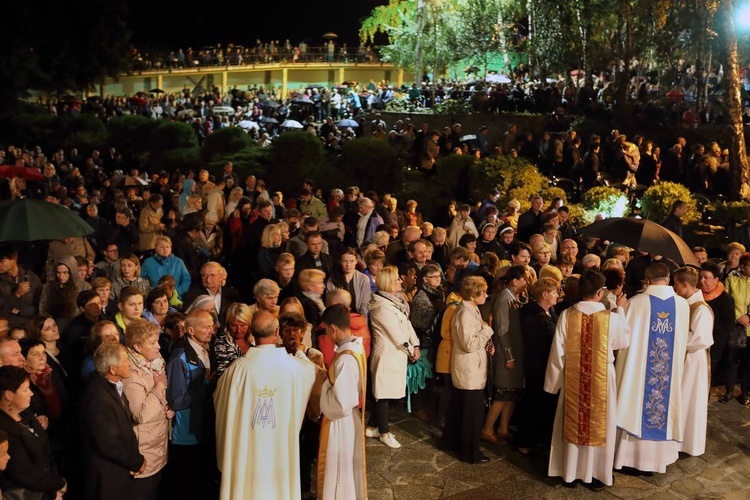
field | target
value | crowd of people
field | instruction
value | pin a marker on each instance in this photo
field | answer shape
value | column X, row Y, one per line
column 215, row 337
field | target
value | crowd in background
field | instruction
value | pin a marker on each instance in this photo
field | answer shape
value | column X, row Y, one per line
column 178, row 264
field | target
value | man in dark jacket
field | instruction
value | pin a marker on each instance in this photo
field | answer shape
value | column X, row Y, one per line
column 530, row 222
column 112, row 456
column 315, row 258
column 20, row 289
column 673, row 222
column 213, row 276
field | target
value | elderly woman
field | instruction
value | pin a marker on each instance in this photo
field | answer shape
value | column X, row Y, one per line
column 32, row 472
column 130, row 275
column 165, row 262
column 507, row 378
column 235, row 339
column 346, row 277
column 471, row 341
column 50, row 397
column 541, row 253
column 157, row 307
column 395, row 343
column 538, row 320
column 374, row 262
column 211, row 237
column 270, row 249
column 146, row 390
column 311, row 289
column 266, row 294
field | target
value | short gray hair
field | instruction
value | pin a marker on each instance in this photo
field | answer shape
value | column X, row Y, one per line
column 266, row 288
column 106, row 355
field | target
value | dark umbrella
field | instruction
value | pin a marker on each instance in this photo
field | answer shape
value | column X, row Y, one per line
column 269, row 119
column 302, row 100
column 30, row 220
column 644, row 235
column 270, row 103
column 156, row 91
column 30, row 174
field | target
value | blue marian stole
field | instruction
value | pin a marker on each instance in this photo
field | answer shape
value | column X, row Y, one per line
column 658, row 369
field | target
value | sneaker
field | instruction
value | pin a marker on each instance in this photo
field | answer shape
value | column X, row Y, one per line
column 390, row 441
column 372, row 432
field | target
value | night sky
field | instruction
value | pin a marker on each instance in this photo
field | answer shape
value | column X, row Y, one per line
column 170, row 24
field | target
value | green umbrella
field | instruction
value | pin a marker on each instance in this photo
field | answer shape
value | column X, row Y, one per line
column 30, row 220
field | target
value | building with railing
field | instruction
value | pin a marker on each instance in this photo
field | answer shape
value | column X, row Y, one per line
column 283, row 71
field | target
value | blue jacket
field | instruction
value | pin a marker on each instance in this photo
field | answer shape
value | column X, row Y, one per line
column 157, row 266
column 188, row 394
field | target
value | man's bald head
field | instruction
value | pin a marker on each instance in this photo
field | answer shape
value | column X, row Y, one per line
column 10, row 353
column 264, row 327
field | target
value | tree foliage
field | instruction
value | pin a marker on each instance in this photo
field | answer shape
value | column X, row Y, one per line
column 62, row 46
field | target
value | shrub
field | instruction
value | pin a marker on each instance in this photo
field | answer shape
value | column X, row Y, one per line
column 367, row 162
column 578, row 216
column 657, row 201
column 293, row 156
column 605, row 200
column 550, row 192
column 168, row 137
column 183, row 159
column 130, row 135
column 85, row 132
column 515, row 178
column 729, row 215
column 224, row 142
column 250, row 160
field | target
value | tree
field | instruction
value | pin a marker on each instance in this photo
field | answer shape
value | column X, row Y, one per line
column 737, row 153
column 62, row 46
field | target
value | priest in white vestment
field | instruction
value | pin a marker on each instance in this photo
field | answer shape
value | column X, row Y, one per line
column 696, row 379
column 581, row 368
column 260, row 406
column 649, row 376
column 341, row 459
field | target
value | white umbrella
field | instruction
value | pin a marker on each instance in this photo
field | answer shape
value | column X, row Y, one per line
column 248, row 124
column 218, row 110
column 291, row 124
column 497, row 78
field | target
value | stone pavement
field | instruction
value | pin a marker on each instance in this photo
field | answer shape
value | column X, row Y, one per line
column 419, row 471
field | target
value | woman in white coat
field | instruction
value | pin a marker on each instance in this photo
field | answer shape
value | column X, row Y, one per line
column 395, row 343
column 471, row 343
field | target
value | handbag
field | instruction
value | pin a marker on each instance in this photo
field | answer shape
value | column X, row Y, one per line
column 737, row 337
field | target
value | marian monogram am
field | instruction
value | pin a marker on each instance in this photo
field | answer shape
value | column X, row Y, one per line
column 662, row 324
column 264, row 414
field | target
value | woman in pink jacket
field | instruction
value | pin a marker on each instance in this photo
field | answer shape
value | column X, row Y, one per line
column 146, row 390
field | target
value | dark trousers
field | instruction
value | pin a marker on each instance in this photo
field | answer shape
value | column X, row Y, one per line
column 738, row 364
column 146, row 488
column 186, row 474
column 463, row 426
column 379, row 416
column 445, row 393
column 536, row 416
column 309, row 439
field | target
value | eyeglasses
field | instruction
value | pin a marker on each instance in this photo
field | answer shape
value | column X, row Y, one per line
column 434, row 276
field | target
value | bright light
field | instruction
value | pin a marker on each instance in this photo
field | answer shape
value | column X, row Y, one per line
column 742, row 17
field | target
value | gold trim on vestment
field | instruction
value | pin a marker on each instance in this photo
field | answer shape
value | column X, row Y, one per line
column 325, row 425
column 586, row 364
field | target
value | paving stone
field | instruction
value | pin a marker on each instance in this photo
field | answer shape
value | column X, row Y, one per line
column 627, row 486
column 664, row 495
column 690, row 487
column 416, row 491
column 713, row 473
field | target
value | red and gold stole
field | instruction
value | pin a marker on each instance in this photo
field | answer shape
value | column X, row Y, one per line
column 586, row 359
column 325, row 424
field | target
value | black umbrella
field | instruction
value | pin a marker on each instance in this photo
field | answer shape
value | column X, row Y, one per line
column 29, row 220
column 644, row 235
column 156, row 91
column 269, row 119
column 302, row 100
column 270, row 103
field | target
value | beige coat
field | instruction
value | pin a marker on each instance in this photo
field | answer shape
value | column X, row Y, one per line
column 151, row 425
column 468, row 358
column 148, row 227
column 390, row 329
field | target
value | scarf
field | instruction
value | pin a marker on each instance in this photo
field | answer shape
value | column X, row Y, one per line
column 398, row 301
column 315, row 298
column 150, row 367
column 43, row 380
column 709, row 296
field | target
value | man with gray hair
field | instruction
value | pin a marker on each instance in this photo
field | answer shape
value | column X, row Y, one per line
column 260, row 407
column 112, row 456
column 368, row 222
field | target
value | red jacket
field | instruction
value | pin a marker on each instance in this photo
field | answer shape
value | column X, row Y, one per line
column 359, row 329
